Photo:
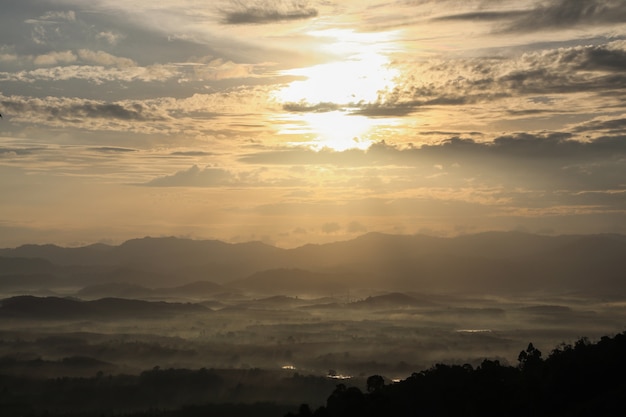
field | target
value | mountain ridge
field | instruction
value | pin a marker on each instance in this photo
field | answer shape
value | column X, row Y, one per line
column 482, row 262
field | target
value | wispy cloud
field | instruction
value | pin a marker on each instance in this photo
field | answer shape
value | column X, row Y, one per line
column 75, row 110
column 563, row 14
column 590, row 69
column 219, row 177
column 261, row 12
column 195, row 177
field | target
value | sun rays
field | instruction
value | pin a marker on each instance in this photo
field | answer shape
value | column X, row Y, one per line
column 322, row 103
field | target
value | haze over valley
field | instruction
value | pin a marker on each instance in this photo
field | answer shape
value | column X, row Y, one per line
column 387, row 304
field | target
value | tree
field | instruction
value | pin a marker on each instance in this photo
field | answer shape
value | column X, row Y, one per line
column 375, row 383
column 529, row 358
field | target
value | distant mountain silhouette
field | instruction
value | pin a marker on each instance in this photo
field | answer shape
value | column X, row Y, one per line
column 496, row 262
column 86, row 255
column 115, row 289
column 25, row 265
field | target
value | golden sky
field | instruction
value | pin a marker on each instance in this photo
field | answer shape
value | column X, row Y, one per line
column 310, row 121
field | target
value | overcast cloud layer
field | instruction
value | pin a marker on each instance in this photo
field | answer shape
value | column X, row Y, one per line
column 310, row 121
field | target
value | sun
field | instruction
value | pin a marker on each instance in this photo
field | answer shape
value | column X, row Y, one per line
column 323, row 104
column 338, row 130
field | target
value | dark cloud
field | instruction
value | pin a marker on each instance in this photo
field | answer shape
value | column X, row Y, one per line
column 112, row 149
column 550, row 161
column 604, row 125
column 551, row 14
column 269, row 13
column 559, row 14
column 528, row 112
column 486, row 16
column 104, row 110
column 191, row 153
column 73, row 110
column 311, row 108
column 596, row 58
column 520, row 146
column 388, row 109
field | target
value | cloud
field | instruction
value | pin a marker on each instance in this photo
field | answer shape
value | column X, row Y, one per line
column 191, row 153
column 306, row 156
column 219, row 69
column 268, row 12
column 13, row 152
column 48, row 27
column 106, row 110
column 592, row 69
column 93, row 74
column 548, row 15
column 8, row 57
column 531, row 161
column 112, row 149
column 603, row 124
column 74, row 110
column 330, row 227
column 219, row 177
column 356, row 227
column 560, row 14
column 110, row 37
column 311, row 108
column 487, row 16
column 195, row 177
column 105, row 59
column 55, row 58
column 57, row 16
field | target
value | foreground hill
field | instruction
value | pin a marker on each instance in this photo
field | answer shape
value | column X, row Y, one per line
column 581, row 380
column 480, row 263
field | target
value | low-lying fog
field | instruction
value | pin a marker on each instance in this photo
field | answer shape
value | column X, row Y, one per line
column 392, row 335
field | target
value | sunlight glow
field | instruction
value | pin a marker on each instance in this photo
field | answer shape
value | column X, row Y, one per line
column 328, row 93
column 339, row 131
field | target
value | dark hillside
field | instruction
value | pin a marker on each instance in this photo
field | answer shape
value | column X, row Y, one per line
column 585, row 379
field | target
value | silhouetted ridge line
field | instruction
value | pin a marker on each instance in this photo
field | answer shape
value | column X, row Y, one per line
column 495, row 262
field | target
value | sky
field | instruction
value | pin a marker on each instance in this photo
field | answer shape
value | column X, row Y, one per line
column 294, row 122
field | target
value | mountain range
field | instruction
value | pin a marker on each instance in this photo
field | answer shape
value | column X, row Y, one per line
column 495, row 262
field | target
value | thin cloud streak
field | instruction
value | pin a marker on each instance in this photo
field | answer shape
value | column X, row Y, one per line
column 268, row 12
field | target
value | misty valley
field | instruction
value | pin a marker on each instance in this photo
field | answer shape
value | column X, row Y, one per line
column 160, row 324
